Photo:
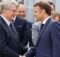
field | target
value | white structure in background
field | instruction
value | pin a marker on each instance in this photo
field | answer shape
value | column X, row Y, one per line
column 57, row 3
column 8, row 1
column 29, row 4
column 19, row 1
column 45, row 0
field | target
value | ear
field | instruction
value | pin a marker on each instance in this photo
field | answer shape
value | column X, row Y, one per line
column 43, row 11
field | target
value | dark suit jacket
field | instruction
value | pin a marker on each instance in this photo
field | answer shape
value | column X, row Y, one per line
column 48, row 44
column 20, row 26
column 24, row 30
column 9, row 41
column 28, row 33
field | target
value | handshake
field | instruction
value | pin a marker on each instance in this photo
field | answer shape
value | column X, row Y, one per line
column 29, row 53
column 22, row 56
column 25, row 53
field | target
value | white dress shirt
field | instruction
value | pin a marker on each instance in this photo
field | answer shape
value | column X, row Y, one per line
column 45, row 20
column 6, row 20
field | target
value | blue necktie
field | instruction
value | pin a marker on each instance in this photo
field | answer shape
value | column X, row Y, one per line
column 42, row 25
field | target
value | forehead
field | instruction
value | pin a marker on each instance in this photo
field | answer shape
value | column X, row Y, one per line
column 13, row 6
column 36, row 8
column 21, row 8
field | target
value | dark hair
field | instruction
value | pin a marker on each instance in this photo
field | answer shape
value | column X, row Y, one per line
column 57, row 14
column 44, row 6
column 51, row 3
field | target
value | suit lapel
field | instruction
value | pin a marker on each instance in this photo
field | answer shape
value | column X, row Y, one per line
column 5, row 26
column 41, row 33
column 8, row 30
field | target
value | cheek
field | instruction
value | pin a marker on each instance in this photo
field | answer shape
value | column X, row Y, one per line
column 37, row 14
column 11, row 15
column 19, row 14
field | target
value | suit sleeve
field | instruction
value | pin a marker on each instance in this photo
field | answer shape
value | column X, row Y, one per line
column 30, row 34
column 4, row 49
column 55, row 37
column 25, row 39
column 31, row 52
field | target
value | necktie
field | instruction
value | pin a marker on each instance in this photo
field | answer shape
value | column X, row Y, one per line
column 13, row 30
column 42, row 25
column 11, row 26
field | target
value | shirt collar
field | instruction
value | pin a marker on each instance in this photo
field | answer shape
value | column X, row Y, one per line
column 14, row 18
column 6, row 20
column 46, row 20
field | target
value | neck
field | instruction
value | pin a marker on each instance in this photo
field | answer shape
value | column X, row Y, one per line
column 45, row 16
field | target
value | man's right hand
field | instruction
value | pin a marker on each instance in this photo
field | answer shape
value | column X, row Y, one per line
column 22, row 56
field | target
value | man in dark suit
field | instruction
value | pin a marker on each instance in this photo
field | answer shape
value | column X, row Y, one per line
column 20, row 26
column 48, row 43
column 29, row 33
column 23, row 26
column 9, row 39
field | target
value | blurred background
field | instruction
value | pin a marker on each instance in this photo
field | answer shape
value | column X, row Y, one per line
column 29, row 4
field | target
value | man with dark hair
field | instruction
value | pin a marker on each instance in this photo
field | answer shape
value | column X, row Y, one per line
column 52, row 5
column 48, row 36
column 52, row 9
column 48, row 43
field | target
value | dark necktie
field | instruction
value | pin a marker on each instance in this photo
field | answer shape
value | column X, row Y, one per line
column 13, row 30
column 42, row 25
column 11, row 26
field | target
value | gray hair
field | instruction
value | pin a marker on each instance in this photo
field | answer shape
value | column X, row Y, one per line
column 1, row 8
column 8, row 4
